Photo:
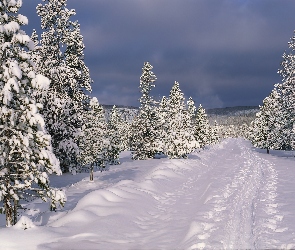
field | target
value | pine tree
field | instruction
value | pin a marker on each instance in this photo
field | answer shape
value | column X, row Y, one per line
column 162, row 113
column 286, row 90
column 266, row 131
column 260, row 131
column 243, row 130
column 114, row 130
column 143, row 140
column 191, row 109
column 94, row 141
column 214, row 133
column 60, row 58
column 180, row 140
column 201, row 132
column 125, row 132
column 26, row 155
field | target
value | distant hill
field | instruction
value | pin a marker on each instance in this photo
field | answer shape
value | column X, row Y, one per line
column 233, row 115
column 238, row 110
column 105, row 106
column 224, row 116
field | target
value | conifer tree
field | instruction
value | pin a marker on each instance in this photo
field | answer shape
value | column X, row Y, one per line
column 26, row 155
column 201, row 132
column 191, row 109
column 125, row 132
column 266, row 130
column 60, row 58
column 286, row 90
column 143, row 140
column 162, row 113
column 114, row 130
column 243, row 131
column 93, row 140
column 278, row 110
column 260, row 131
column 180, row 141
column 214, row 133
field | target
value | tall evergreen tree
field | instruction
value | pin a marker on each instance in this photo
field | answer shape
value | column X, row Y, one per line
column 25, row 150
column 162, row 114
column 214, row 133
column 201, row 132
column 60, row 58
column 266, row 131
column 93, row 140
column 286, row 90
column 143, row 140
column 180, row 140
column 114, row 130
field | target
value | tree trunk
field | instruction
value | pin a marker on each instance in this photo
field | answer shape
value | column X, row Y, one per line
column 91, row 172
column 267, row 150
column 8, row 212
column 15, row 212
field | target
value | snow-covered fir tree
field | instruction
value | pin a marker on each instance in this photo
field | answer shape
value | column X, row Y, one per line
column 191, row 108
column 114, row 130
column 214, row 133
column 260, row 131
column 61, row 53
column 266, row 131
column 162, row 112
column 125, row 132
column 190, row 118
column 26, row 155
column 278, row 110
column 286, row 90
column 143, row 134
column 60, row 58
column 201, row 131
column 180, row 140
column 93, row 140
column 243, row 131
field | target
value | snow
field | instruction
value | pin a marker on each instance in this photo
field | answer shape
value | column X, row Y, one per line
column 10, row 28
column 22, row 19
column 39, row 81
column 15, row 70
column 227, row 196
column 24, row 223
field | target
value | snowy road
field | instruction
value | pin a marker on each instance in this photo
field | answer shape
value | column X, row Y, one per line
column 230, row 196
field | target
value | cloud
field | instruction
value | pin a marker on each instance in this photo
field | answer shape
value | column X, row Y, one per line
column 222, row 52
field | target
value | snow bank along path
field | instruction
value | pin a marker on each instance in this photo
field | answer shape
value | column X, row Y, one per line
column 230, row 196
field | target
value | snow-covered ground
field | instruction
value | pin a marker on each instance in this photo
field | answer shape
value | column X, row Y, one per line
column 228, row 196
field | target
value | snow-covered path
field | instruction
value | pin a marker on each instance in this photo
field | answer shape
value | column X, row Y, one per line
column 230, row 196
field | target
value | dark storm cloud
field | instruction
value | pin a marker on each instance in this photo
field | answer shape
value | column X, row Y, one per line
column 222, row 52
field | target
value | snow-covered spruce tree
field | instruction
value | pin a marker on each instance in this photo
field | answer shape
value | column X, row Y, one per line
column 260, row 131
column 191, row 108
column 201, row 131
column 25, row 151
column 180, row 140
column 143, row 134
column 93, row 140
column 125, row 135
column 60, row 58
column 243, row 131
column 163, row 124
column 190, row 118
column 266, row 130
column 114, row 131
column 214, row 133
column 286, row 90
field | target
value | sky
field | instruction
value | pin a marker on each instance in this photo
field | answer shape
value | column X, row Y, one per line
column 223, row 53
